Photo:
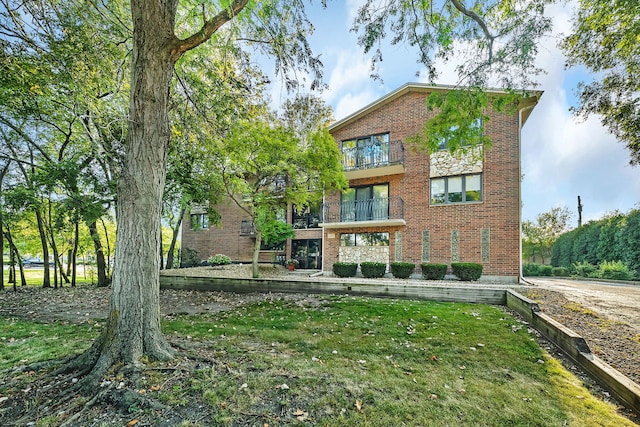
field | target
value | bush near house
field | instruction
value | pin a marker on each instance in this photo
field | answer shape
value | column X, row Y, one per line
column 402, row 270
column 345, row 269
column 372, row 270
column 219, row 259
column 189, row 258
column 467, row 271
column 585, row 269
column 433, row 271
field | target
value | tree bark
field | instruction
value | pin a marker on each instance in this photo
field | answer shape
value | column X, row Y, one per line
column 256, row 255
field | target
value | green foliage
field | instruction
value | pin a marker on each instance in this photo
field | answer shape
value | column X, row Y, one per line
column 273, row 230
column 345, row 269
column 540, row 236
column 373, row 270
column 545, row 270
column 585, row 269
column 560, row 271
column 219, row 259
column 605, row 41
column 613, row 238
column 433, row 271
column 189, row 257
column 467, row 271
column 402, row 270
column 614, row 270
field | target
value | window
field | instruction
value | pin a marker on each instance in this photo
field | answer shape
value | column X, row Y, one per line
column 199, row 221
column 475, row 127
column 456, row 189
column 364, row 239
column 366, row 203
column 306, row 216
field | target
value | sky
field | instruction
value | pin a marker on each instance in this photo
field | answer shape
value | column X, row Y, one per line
column 563, row 157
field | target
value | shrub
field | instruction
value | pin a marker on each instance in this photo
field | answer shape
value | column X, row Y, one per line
column 530, row 269
column 189, row 257
column 615, row 270
column 466, row 271
column 432, row 271
column 560, row 271
column 545, row 270
column 373, row 270
column 219, row 259
column 402, row 270
column 584, row 269
column 345, row 269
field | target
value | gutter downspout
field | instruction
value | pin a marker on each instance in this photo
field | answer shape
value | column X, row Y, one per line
column 520, row 125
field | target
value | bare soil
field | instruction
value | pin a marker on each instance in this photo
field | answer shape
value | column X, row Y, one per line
column 614, row 335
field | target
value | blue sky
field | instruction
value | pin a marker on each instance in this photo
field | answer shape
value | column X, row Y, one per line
column 562, row 156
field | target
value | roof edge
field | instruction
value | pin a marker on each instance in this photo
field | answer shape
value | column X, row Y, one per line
column 529, row 102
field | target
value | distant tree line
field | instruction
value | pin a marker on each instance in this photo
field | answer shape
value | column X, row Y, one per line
column 613, row 238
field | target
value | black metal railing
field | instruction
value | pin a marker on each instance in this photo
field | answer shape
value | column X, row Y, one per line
column 363, row 210
column 247, row 228
column 373, row 156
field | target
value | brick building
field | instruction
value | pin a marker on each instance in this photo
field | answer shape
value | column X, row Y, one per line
column 402, row 205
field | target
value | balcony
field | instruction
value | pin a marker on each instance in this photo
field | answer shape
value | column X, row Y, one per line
column 247, row 228
column 376, row 212
column 385, row 158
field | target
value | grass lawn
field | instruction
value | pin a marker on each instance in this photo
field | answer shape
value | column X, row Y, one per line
column 351, row 361
column 34, row 276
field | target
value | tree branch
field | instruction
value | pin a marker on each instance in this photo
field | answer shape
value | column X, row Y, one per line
column 478, row 20
column 208, row 29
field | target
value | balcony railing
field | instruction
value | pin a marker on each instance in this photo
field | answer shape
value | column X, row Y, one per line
column 247, row 228
column 378, row 209
column 373, row 156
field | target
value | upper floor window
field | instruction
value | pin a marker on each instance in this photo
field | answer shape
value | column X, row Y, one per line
column 199, row 221
column 456, row 189
column 475, row 126
column 306, row 216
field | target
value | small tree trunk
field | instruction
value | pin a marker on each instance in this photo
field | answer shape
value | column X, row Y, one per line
column 256, row 255
column 174, row 239
column 100, row 262
column 74, row 254
column 46, row 281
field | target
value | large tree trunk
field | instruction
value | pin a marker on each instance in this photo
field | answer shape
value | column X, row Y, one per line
column 174, row 238
column 133, row 328
column 103, row 279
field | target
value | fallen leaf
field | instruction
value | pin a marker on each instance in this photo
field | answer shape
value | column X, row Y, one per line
column 142, row 391
column 462, row 367
column 433, row 396
column 358, row 405
column 300, row 414
column 156, row 387
column 434, row 358
column 132, row 423
column 284, row 387
column 244, row 385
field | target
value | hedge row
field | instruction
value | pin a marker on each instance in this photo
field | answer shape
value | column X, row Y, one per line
column 615, row 238
column 463, row 270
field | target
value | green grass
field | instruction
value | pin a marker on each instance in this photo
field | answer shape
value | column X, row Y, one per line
column 34, row 277
column 351, row 362
column 366, row 362
column 23, row 342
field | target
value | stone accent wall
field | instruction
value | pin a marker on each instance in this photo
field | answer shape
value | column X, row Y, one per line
column 455, row 246
column 364, row 253
column 485, row 245
column 398, row 256
column 425, row 245
column 443, row 163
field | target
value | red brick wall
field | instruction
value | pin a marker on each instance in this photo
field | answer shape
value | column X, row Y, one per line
column 499, row 211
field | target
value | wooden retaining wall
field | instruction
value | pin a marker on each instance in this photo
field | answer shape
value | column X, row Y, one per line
column 564, row 338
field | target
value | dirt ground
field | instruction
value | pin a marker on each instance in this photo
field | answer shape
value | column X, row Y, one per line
column 606, row 315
